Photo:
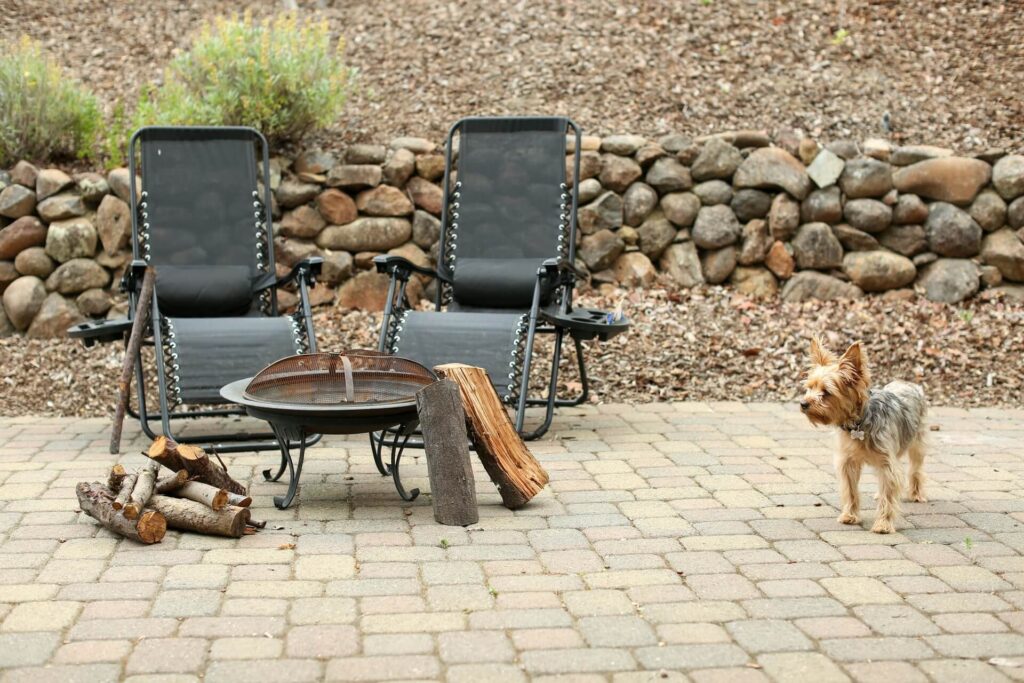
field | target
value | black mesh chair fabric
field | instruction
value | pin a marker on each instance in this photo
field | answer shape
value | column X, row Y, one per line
column 199, row 187
column 213, row 352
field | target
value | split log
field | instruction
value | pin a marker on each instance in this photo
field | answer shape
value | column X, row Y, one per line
column 191, row 516
column 177, row 456
column 117, row 475
column 125, row 494
column 97, row 502
column 215, row 499
column 446, row 445
column 142, row 491
column 171, row 483
column 131, row 353
column 509, row 463
column 239, row 500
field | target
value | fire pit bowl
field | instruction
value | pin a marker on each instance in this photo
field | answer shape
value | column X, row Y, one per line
column 334, row 393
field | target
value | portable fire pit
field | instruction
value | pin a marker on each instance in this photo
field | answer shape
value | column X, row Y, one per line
column 332, row 393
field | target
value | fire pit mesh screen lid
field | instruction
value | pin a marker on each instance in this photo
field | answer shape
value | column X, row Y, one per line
column 356, row 377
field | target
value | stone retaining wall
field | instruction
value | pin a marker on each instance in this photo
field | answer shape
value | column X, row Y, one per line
column 740, row 208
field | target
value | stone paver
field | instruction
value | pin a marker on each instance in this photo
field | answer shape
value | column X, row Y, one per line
column 685, row 541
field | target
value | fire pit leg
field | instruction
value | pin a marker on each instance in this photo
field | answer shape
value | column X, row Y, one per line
column 405, row 430
column 377, row 448
column 284, row 435
column 280, row 470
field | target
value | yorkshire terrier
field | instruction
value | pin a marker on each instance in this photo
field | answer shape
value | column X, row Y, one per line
column 876, row 427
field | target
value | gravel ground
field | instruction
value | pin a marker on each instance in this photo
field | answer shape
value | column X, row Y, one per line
column 702, row 344
column 947, row 72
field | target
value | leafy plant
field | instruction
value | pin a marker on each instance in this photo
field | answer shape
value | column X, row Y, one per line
column 840, row 36
column 43, row 112
column 280, row 76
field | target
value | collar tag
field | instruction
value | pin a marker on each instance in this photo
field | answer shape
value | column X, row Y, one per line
column 857, row 434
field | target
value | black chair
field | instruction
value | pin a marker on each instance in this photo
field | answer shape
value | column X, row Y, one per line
column 202, row 221
column 505, row 266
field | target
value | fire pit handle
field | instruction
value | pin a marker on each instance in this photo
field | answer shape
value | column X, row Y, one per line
column 350, row 394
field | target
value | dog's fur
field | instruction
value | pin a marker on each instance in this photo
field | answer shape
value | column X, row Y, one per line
column 876, row 427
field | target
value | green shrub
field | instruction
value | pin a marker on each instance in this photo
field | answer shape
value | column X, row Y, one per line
column 279, row 76
column 43, row 113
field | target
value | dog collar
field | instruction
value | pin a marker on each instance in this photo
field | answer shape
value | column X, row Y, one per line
column 854, row 430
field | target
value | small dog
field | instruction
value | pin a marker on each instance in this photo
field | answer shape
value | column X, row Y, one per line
column 876, row 427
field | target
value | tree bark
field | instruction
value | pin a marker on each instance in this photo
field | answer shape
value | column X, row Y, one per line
column 131, row 352
column 200, row 468
column 191, row 516
column 117, row 475
column 125, row 494
column 142, row 491
column 171, row 482
column 443, row 422
column 215, row 499
column 510, row 465
column 97, row 502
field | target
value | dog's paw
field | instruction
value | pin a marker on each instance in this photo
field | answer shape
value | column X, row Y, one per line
column 883, row 526
column 918, row 497
column 848, row 518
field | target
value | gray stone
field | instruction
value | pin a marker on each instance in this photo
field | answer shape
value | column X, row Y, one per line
column 878, row 271
column 6, row 330
column 1015, row 213
column 924, row 259
column 69, row 239
column 822, row 206
column 292, row 193
column 715, row 227
column 618, row 173
column 337, row 267
column 119, row 182
column 34, row 261
column 755, row 243
column 414, row 145
column 990, row 276
column 911, row 154
column 853, row 239
column 314, row 161
column 648, row 154
column 681, row 208
column 425, row 195
column 24, row 173
column 988, row 210
column 50, row 181
column 668, row 175
column 604, row 213
column 1008, row 176
column 717, row 160
column 655, row 234
column 76, row 276
column 717, row 264
column 54, row 318
column 366, row 234
column 771, row 167
column 600, row 249
column 399, row 168
column 750, row 204
column 113, row 224
column 622, row 145
column 755, row 282
column 784, row 217
column 590, row 166
column 8, row 274
column 23, row 233
column 384, row 200
column 22, row 300
column 826, row 168
column 355, row 177
column 909, row 240
column 909, row 210
column 815, row 247
column 1005, row 250
column 304, row 222
column 17, row 201
column 365, row 154
column 951, row 231
column 634, row 269
column 869, row 215
column 712, row 192
column 426, row 229
column 94, row 302
column 682, row 264
column 92, row 186
column 589, row 189
column 845, row 149
column 674, row 142
column 60, row 207
column 865, row 178
column 877, row 148
column 956, row 180
column 810, row 284
column 949, row 281
column 638, row 202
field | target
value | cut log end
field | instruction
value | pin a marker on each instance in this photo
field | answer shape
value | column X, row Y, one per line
column 151, row 526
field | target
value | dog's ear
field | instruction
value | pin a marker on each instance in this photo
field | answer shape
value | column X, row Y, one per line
column 820, row 355
column 852, row 363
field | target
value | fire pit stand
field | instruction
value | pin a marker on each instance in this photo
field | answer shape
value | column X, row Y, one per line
column 360, row 392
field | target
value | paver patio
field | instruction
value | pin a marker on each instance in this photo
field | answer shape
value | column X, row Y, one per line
column 675, row 541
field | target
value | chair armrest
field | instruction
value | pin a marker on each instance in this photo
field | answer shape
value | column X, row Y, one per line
column 561, row 267
column 307, row 269
column 133, row 274
column 399, row 266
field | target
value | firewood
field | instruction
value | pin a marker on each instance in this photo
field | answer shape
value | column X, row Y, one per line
column 443, row 422
column 191, row 516
column 192, row 458
column 97, row 501
column 510, row 465
column 215, row 499
column 142, row 491
column 117, row 475
column 239, row 500
column 131, row 352
column 125, row 494
column 171, row 483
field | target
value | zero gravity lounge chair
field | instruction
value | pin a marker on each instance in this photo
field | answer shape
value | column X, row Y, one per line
column 202, row 221
column 505, row 264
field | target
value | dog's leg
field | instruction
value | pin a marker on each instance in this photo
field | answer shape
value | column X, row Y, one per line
column 915, row 453
column 888, row 497
column 848, row 472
